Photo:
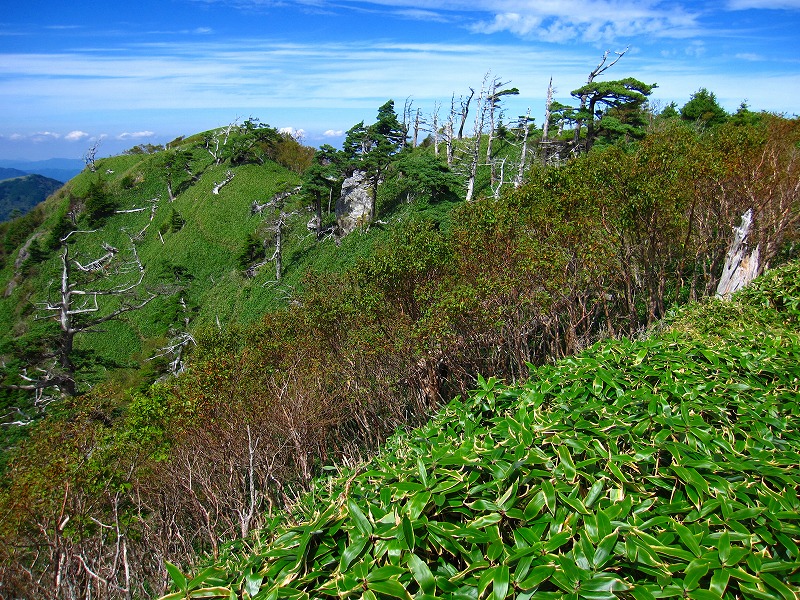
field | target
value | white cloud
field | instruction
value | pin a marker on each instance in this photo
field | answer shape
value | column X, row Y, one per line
column 695, row 49
column 297, row 134
column 750, row 56
column 137, row 135
column 764, row 4
column 75, row 136
column 44, row 136
column 333, row 133
column 587, row 20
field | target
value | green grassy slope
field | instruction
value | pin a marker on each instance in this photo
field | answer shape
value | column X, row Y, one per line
column 664, row 467
column 203, row 252
column 193, row 266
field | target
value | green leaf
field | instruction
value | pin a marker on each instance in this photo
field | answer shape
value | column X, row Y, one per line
column 211, row 592
column 776, row 584
column 252, row 583
column 594, row 493
column 605, row 550
column 703, row 595
column 389, row 587
column 177, row 577
column 537, row 575
column 566, row 462
column 500, row 585
column 694, row 572
column 719, row 581
column 422, row 574
column 361, row 521
column 535, row 506
column 423, row 474
column 485, row 521
column 408, row 534
column 417, row 504
column 549, row 495
column 385, row 572
column 352, row 552
column 688, row 539
column 205, row 575
column 724, row 547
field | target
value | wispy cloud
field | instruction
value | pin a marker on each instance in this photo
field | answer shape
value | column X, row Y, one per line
column 76, row 136
column 44, row 136
column 764, row 4
column 590, row 21
column 136, row 135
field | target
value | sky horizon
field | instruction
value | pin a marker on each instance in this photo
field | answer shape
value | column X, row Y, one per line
column 147, row 72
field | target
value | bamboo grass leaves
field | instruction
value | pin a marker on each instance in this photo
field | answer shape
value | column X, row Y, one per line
column 659, row 468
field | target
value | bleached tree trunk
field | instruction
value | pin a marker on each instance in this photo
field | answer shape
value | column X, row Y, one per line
column 449, row 132
column 490, row 107
column 435, row 132
column 524, row 153
column 480, row 121
column 91, row 155
column 407, row 109
column 464, row 112
column 76, row 301
column 417, row 124
column 547, row 105
column 742, row 264
column 223, row 183
column 278, row 256
column 497, row 182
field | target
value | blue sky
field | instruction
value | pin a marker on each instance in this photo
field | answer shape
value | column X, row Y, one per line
column 146, row 71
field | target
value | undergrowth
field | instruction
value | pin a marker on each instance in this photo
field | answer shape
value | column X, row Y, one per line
column 663, row 467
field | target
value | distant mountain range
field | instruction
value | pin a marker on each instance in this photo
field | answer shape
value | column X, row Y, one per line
column 20, row 193
column 60, row 169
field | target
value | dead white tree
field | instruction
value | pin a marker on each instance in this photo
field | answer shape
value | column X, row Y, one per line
column 464, row 112
column 216, row 141
column 435, row 127
column 742, row 263
column 280, row 224
column 547, row 105
column 91, row 155
column 448, row 131
column 523, row 155
column 477, row 134
column 418, row 123
column 218, row 186
column 110, row 286
column 174, row 349
column 494, row 97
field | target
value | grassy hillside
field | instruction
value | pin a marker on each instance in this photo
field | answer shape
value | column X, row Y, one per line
column 189, row 246
column 664, row 467
column 371, row 334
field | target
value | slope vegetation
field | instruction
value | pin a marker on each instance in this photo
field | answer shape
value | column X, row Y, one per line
column 373, row 333
column 664, row 467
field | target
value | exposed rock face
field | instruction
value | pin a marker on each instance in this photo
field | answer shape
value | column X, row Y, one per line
column 354, row 206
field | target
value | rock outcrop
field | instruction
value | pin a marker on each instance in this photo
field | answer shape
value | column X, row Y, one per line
column 354, row 206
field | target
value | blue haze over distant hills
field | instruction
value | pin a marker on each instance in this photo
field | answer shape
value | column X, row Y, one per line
column 61, row 169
